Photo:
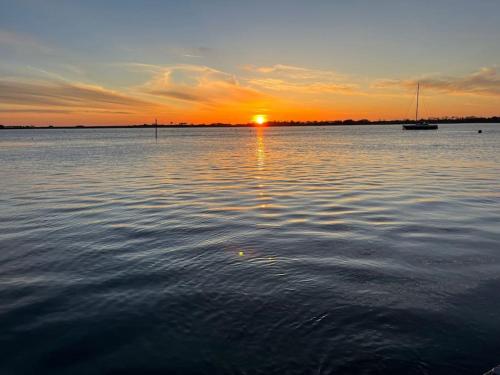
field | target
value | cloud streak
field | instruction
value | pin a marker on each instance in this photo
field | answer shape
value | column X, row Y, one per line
column 200, row 84
column 288, row 78
column 294, row 72
column 61, row 95
column 484, row 82
column 22, row 42
column 302, row 87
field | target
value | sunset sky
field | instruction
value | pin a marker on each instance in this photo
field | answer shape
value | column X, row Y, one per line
column 127, row 62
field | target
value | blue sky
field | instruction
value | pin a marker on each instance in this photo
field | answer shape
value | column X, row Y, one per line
column 362, row 42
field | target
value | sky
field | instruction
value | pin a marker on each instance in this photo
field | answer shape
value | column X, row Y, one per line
column 65, row 62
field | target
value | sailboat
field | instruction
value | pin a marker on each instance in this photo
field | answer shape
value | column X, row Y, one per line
column 419, row 125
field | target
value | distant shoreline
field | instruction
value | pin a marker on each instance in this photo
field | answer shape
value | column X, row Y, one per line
column 467, row 120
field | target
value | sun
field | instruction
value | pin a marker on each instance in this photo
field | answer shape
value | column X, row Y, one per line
column 260, row 119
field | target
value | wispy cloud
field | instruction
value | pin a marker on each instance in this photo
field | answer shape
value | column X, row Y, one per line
column 33, row 110
column 59, row 95
column 192, row 56
column 198, row 52
column 22, row 42
column 485, row 81
column 294, row 79
column 199, row 84
column 294, row 72
column 140, row 67
column 301, row 87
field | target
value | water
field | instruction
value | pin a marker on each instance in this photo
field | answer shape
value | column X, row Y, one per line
column 348, row 250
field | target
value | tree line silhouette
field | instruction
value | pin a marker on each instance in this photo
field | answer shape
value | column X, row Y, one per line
column 431, row 120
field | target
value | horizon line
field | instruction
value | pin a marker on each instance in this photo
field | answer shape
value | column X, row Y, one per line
column 345, row 122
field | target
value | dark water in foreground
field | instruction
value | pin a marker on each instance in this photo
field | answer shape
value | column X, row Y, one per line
column 348, row 250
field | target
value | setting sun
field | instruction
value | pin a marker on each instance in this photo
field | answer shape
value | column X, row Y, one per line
column 260, row 119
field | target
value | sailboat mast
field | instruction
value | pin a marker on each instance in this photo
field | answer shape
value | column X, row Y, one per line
column 416, row 110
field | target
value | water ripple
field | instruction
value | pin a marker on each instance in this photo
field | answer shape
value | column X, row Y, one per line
column 299, row 250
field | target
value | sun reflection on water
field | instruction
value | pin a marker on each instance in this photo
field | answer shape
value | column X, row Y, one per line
column 260, row 151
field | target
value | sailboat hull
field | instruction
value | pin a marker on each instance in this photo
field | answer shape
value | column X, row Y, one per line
column 420, row 127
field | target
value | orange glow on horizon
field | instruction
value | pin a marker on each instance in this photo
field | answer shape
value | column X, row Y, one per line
column 371, row 107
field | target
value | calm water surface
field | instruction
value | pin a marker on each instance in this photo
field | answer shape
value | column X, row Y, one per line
column 348, row 250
